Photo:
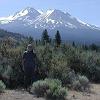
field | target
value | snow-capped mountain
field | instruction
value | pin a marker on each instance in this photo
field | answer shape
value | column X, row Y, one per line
column 32, row 22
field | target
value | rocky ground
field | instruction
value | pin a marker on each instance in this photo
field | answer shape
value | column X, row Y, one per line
column 72, row 95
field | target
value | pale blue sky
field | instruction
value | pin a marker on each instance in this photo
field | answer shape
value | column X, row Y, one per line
column 86, row 10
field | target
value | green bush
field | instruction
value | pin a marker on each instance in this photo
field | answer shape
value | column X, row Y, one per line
column 57, row 93
column 40, row 88
column 54, row 82
column 81, row 83
column 49, row 88
column 70, row 77
column 59, row 68
column 2, row 87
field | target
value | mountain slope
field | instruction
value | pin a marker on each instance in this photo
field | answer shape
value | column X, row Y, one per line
column 32, row 22
column 6, row 34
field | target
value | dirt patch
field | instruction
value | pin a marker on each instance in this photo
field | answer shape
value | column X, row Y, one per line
column 18, row 95
column 94, row 95
column 72, row 95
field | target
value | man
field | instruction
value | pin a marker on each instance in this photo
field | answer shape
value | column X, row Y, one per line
column 29, row 66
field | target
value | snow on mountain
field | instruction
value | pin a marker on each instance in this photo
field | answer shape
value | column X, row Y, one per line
column 37, row 18
column 40, row 11
column 20, row 14
column 33, row 22
column 5, row 20
column 27, row 13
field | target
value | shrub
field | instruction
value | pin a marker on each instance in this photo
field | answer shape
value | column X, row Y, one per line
column 57, row 93
column 81, row 83
column 40, row 88
column 70, row 77
column 84, row 81
column 50, row 88
column 54, row 82
column 76, row 85
column 2, row 87
column 59, row 69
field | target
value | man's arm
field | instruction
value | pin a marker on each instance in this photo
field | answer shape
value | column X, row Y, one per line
column 36, row 63
column 23, row 61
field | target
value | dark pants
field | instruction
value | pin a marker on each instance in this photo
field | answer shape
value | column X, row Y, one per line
column 29, row 77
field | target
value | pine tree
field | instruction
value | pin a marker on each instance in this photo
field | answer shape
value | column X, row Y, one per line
column 93, row 47
column 73, row 44
column 45, row 37
column 30, row 40
column 58, row 38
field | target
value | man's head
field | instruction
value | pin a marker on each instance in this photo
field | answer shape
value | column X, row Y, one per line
column 29, row 47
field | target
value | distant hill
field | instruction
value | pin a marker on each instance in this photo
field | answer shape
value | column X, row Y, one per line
column 5, row 34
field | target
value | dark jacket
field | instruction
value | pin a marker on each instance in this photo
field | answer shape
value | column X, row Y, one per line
column 29, row 61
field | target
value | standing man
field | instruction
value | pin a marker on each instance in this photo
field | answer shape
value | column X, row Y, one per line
column 29, row 66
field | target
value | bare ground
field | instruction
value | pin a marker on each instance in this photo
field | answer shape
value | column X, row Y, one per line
column 18, row 95
column 93, row 95
column 72, row 95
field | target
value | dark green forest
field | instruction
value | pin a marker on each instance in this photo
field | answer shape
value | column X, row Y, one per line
column 66, row 62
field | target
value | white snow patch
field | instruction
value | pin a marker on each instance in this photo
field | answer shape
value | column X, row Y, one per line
column 40, row 11
column 4, row 22
column 20, row 14
column 70, row 25
column 82, row 22
column 36, row 26
column 7, row 18
column 23, row 13
column 50, row 20
column 49, row 12
column 61, row 22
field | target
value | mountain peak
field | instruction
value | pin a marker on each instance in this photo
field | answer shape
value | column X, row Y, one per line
column 31, row 12
column 30, row 20
column 61, row 12
column 30, row 9
column 50, row 11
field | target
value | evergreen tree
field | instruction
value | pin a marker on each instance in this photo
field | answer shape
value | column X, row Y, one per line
column 57, row 38
column 73, row 44
column 93, row 47
column 45, row 37
column 30, row 40
column 84, row 47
